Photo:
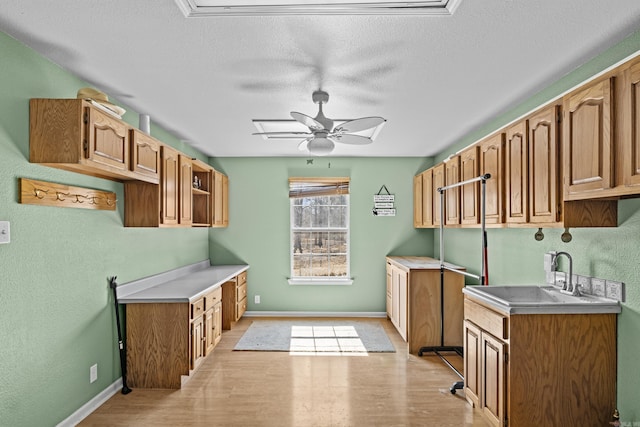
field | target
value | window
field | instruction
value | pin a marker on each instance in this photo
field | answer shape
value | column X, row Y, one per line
column 319, row 230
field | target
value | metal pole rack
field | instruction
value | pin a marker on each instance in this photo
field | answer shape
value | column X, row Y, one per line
column 483, row 276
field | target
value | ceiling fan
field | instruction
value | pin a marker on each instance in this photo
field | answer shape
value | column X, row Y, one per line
column 322, row 135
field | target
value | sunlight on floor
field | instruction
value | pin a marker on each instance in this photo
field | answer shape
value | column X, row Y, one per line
column 326, row 341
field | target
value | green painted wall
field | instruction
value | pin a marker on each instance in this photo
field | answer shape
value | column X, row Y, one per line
column 258, row 232
column 516, row 258
column 57, row 316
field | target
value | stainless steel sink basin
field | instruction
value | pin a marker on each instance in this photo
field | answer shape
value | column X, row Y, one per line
column 531, row 299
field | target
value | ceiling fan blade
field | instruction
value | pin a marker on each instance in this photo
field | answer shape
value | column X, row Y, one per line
column 303, row 145
column 364, row 123
column 309, row 122
column 351, row 139
column 284, row 133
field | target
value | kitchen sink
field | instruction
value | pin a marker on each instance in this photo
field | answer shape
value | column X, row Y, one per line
column 533, row 299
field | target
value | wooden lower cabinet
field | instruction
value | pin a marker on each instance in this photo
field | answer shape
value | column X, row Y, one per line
column 166, row 341
column 212, row 320
column 234, row 300
column 540, row 369
column 413, row 302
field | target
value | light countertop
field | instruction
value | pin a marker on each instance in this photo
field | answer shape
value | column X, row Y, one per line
column 186, row 288
column 420, row 263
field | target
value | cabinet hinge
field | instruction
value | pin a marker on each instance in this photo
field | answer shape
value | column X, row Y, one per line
column 85, row 145
column 506, row 422
column 85, row 118
column 506, row 357
column 559, row 116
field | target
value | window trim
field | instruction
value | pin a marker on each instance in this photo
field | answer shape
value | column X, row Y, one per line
column 341, row 187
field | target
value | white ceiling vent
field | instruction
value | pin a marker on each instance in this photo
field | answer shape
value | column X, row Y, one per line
column 197, row 8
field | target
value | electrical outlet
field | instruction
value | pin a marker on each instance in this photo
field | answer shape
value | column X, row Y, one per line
column 256, row 299
column 93, row 373
column 550, row 277
column 5, row 232
column 598, row 287
column 584, row 282
column 614, row 290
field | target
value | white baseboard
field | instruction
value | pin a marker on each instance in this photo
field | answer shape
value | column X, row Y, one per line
column 314, row 314
column 85, row 410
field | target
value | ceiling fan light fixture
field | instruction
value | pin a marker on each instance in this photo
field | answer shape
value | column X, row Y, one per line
column 320, row 146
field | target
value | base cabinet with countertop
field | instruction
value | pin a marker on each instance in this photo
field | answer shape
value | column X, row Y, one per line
column 174, row 324
column 413, row 301
column 539, row 369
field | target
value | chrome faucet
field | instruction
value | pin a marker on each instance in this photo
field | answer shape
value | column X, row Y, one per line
column 568, row 286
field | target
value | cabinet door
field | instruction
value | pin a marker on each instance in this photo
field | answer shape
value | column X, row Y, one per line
column 220, row 199
column 197, row 341
column 209, row 331
column 516, row 173
column 225, row 201
column 630, row 134
column 469, row 197
column 389, row 292
column 169, row 182
column 544, row 166
column 402, row 279
column 493, row 379
column 185, row 193
column 438, row 181
column 491, row 162
column 145, row 155
column 452, row 195
column 107, row 140
column 588, row 136
column 417, row 201
column 427, row 198
column 217, row 323
column 472, row 362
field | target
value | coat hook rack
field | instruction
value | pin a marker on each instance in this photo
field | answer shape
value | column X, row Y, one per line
column 44, row 193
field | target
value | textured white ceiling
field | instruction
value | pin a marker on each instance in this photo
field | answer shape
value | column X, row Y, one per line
column 434, row 79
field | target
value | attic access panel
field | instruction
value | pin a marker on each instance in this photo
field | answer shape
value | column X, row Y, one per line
column 196, row 8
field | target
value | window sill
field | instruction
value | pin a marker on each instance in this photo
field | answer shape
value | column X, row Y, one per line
column 320, row 281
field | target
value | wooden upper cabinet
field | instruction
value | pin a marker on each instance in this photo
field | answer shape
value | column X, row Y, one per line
column 629, row 127
column 469, row 193
column 544, row 172
column 107, row 139
column 423, row 199
column 437, row 182
column 170, row 173
column 74, row 135
column 417, row 201
column 452, row 195
column 427, row 198
column 516, row 173
column 491, row 162
column 145, row 155
column 587, row 139
column 220, row 200
column 185, row 193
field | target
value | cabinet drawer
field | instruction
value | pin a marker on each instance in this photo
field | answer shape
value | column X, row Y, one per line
column 494, row 323
column 241, row 307
column 212, row 298
column 242, row 292
column 242, row 278
column 197, row 308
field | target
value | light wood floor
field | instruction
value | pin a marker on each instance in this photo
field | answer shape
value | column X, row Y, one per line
column 277, row 389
